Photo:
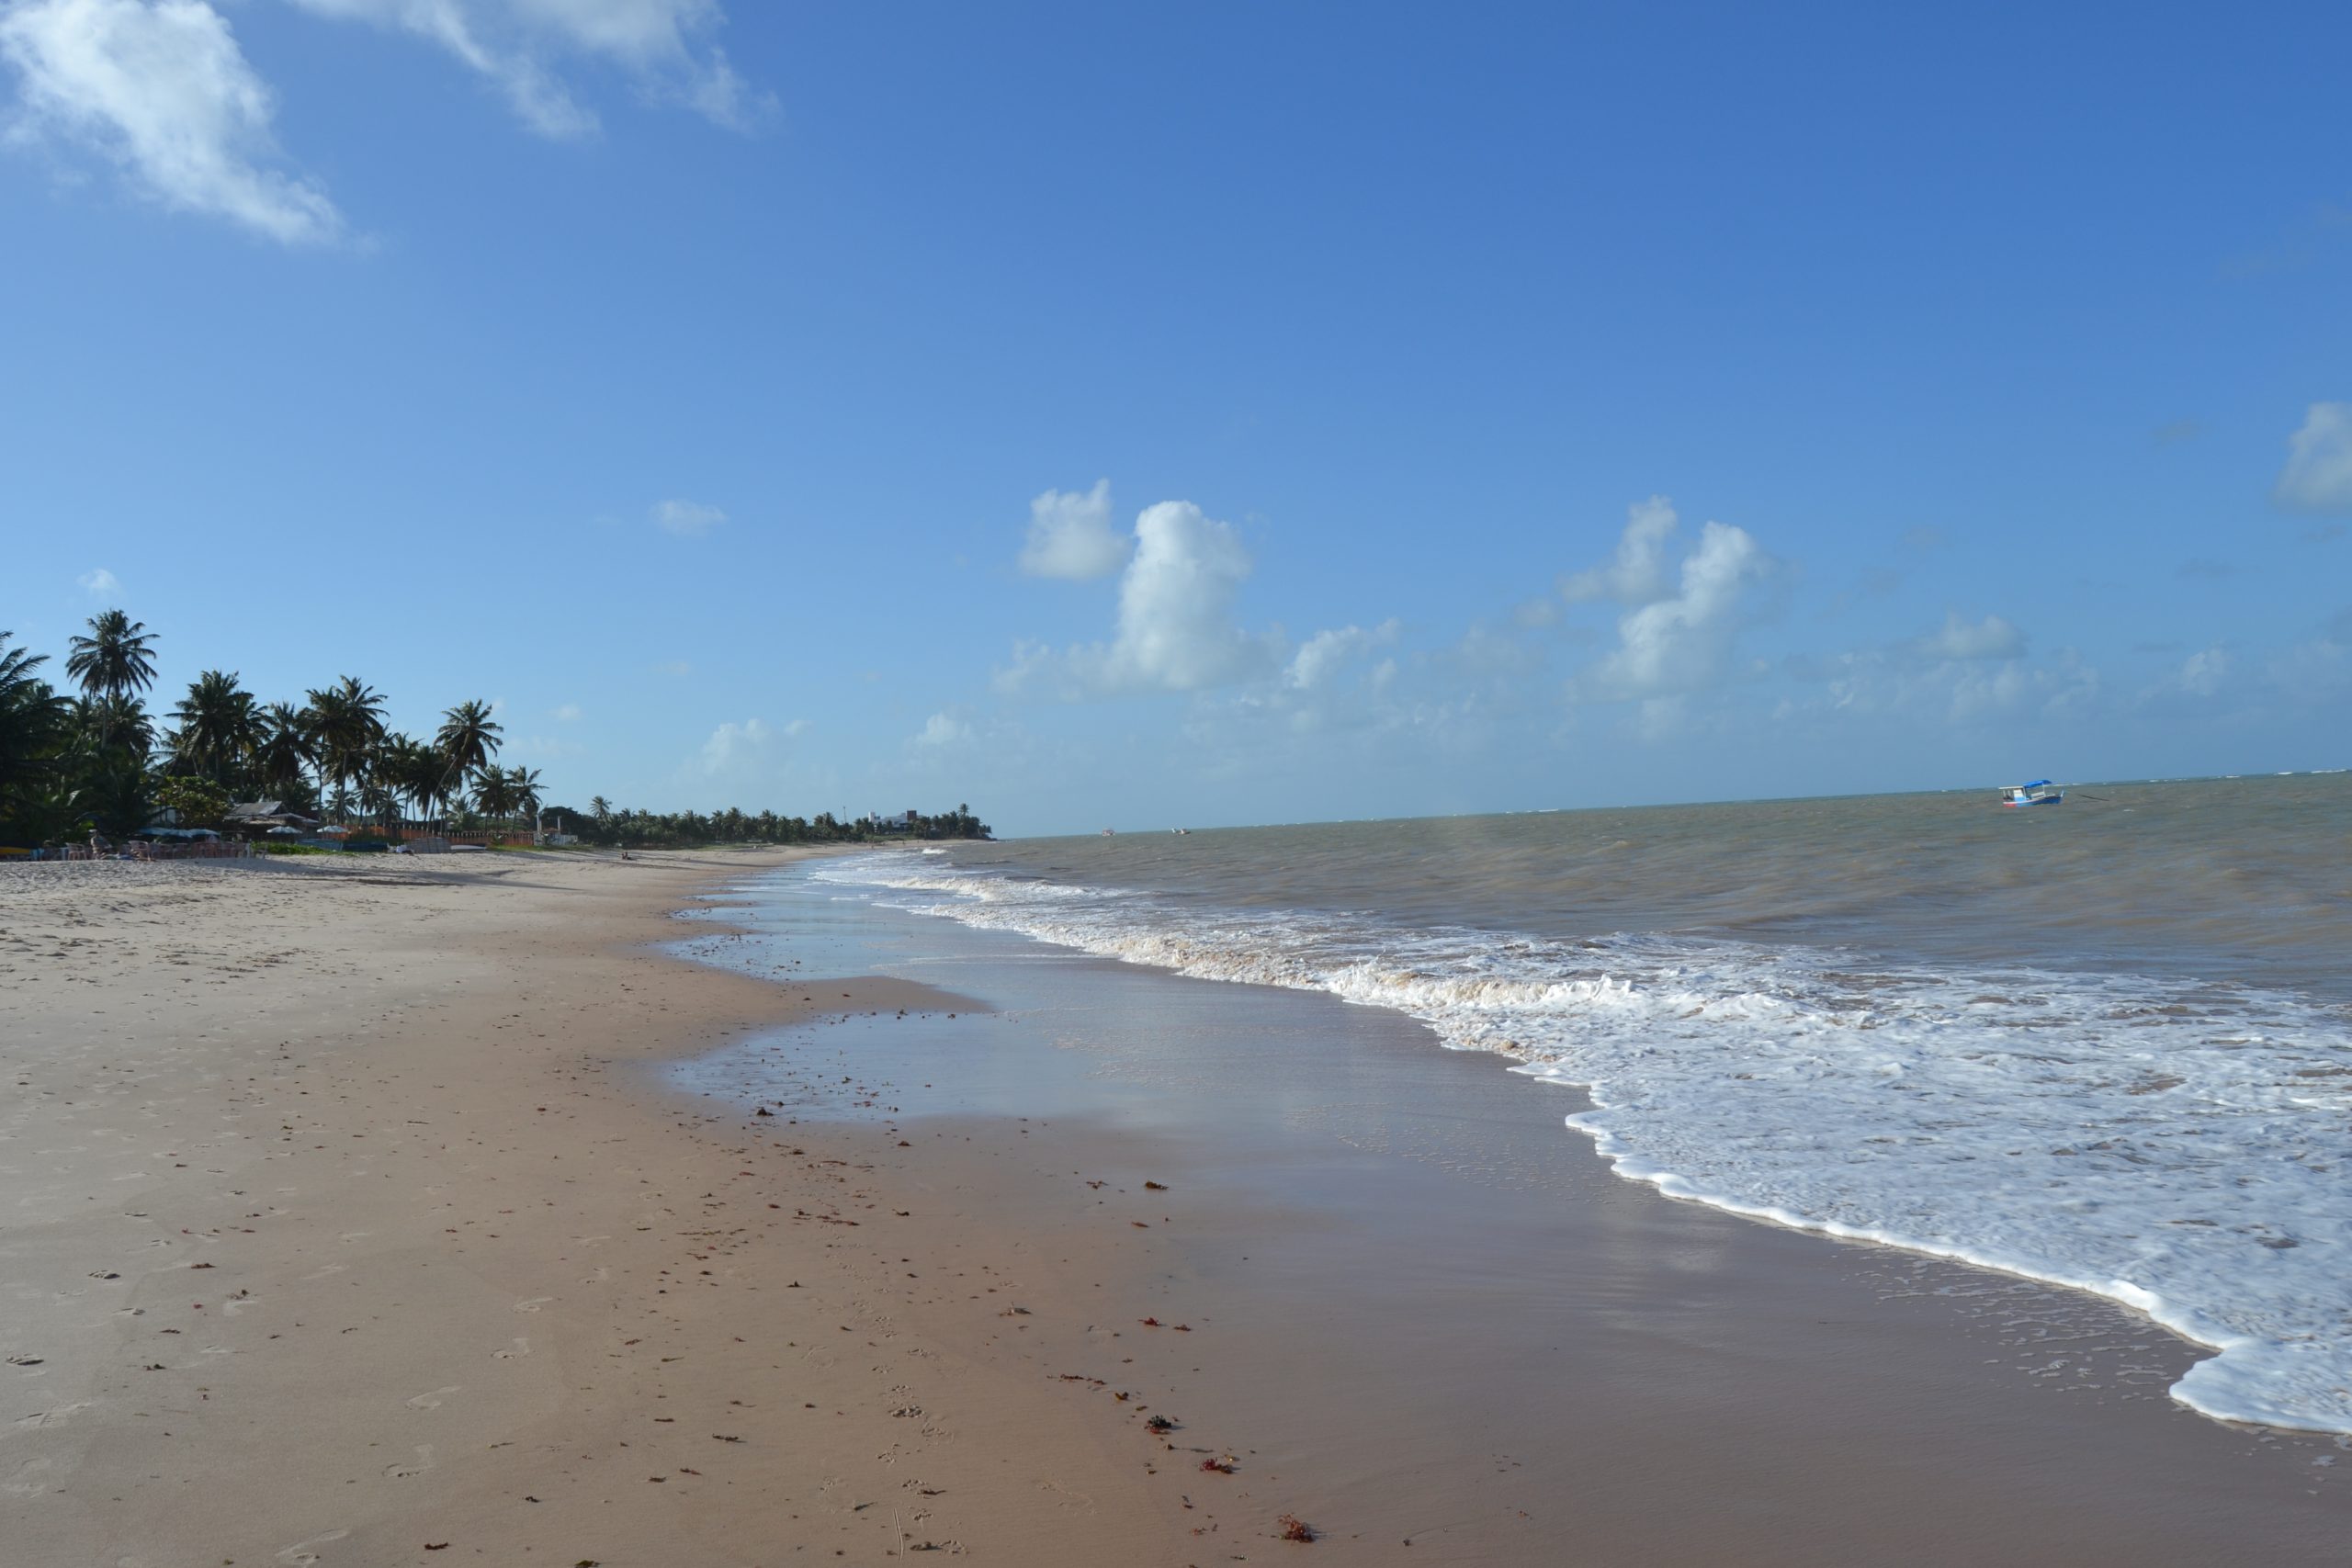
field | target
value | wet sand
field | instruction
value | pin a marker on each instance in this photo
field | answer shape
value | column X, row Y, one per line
column 360, row 1219
column 1417, row 1309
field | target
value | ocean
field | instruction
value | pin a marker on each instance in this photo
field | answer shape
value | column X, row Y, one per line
column 2106, row 1044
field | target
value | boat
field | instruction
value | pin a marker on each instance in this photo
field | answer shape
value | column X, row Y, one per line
column 2036, row 793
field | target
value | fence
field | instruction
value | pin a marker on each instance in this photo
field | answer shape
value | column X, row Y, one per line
column 218, row 849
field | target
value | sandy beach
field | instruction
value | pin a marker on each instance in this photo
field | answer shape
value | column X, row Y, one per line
column 356, row 1215
column 331, row 1238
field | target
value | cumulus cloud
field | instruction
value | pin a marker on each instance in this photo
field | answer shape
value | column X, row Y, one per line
column 1991, row 638
column 1638, row 573
column 161, row 89
column 521, row 45
column 2201, row 673
column 1175, row 630
column 1682, row 643
column 2318, row 475
column 567, row 713
column 100, row 582
column 943, row 729
column 1912, row 680
column 1322, row 656
column 1071, row 536
column 687, row 519
column 733, row 744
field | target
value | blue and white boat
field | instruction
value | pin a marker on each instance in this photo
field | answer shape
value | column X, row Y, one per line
column 2036, row 793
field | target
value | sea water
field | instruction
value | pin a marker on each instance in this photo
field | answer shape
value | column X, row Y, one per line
column 2106, row 1045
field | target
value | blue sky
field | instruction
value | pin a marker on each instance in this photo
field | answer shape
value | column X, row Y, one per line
column 1236, row 413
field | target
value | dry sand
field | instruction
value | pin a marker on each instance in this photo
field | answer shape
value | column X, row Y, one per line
column 329, row 1237
column 344, row 1221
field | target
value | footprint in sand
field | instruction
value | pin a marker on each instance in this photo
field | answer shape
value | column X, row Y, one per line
column 236, row 1304
column 433, row 1401
column 26, row 1482
column 411, row 1471
column 329, row 1268
column 598, row 1278
column 300, row 1554
column 63, row 1414
column 354, row 1236
column 533, row 1304
column 522, row 1347
column 1074, row 1501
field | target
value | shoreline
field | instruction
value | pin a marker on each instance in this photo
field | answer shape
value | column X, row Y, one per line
column 475, row 1284
column 1975, row 1387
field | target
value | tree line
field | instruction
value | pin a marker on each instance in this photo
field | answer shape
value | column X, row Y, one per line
column 94, row 758
column 604, row 823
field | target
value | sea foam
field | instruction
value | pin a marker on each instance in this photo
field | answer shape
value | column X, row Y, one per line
column 2184, row 1148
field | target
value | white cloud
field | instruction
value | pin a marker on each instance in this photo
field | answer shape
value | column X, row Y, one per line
column 1071, row 536
column 2201, row 673
column 943, row 729
column 687, row 519
column 1680, row 643
column 731, row 743
column 161, row 88
column 100, row 582
column 1638, row 573
column 519, row 45
column 677, row 667
column 1914, row 679
column 2318, row 475
column 1991, row 638
column 1322, row 656
column 1175, row 629
column 567, row 713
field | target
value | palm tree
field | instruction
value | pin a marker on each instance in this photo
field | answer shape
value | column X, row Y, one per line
column 469, row 739
column 286, row 748
column 396, row 770
column 116, row 659
column 601, row 810
column 120, row 722
column 219, row 728
column 33, row 728
column 525, row 785
column 493, row 792
column 407, row 768
column 344, row 722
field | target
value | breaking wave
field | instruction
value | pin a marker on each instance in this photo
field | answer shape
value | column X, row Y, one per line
column 2183, row 1148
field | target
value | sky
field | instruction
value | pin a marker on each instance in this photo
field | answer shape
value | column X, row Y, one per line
column 1134, row 417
